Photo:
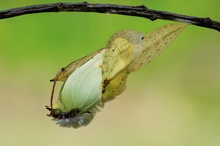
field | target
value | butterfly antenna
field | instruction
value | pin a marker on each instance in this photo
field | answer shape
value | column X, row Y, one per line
column 53, row 88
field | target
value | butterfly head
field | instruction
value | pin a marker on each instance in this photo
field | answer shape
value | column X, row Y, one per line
column 73, row 118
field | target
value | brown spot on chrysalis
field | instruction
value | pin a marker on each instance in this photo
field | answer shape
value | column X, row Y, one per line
column 106, row 82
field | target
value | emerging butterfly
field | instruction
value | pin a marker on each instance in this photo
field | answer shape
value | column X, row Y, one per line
column 99, row 77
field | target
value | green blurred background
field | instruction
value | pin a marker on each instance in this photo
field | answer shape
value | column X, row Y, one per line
column 175, row 100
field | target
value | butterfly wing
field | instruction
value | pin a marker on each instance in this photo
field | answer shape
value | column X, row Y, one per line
column 69, row 69
column 83, row 88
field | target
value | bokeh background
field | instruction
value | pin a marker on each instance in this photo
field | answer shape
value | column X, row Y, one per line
column 175, row 100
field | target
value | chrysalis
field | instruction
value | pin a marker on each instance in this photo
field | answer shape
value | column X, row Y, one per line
column 99, row 77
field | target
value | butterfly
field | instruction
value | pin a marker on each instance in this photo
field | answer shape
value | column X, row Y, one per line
column 95, row 79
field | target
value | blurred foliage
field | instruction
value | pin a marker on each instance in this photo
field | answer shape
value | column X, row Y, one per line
column 175, row 100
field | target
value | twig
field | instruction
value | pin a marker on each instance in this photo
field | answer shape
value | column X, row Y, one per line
column 138, row 11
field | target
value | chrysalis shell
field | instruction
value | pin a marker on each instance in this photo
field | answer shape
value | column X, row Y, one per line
column 92, row 80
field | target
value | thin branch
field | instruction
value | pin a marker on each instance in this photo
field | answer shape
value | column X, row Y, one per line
column 138, row 11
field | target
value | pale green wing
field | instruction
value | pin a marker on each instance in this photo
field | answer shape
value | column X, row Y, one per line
column 69, row 69
column 154, row 42
column 83, row 88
